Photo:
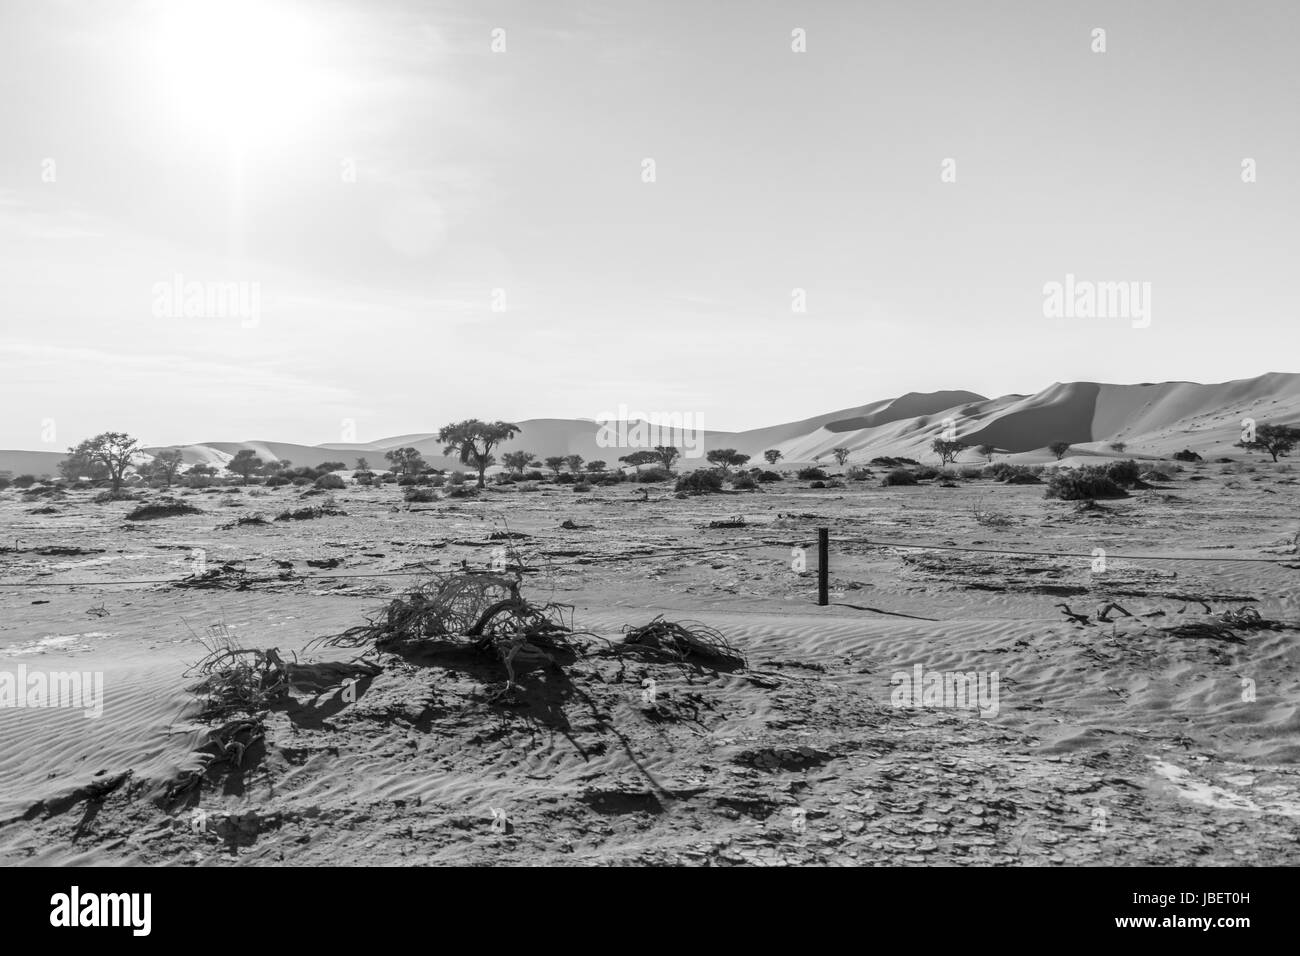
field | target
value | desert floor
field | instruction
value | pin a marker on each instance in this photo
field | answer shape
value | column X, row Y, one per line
column 1113, row 742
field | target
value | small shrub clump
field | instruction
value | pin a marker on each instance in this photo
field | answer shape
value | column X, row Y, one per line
column 701, row 482
column 899, row 476
column 1083, row 484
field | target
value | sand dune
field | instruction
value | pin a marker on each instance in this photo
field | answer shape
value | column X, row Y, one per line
column 1155, row 420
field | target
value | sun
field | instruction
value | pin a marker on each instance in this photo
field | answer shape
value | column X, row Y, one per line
column 247, row 69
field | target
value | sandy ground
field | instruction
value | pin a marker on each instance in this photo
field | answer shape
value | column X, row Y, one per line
column 1113, row 742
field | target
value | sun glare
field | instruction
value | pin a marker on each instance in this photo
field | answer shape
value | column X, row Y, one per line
column 244, row 68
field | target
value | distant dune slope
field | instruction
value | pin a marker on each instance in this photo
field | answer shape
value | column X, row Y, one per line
column 1154, row 419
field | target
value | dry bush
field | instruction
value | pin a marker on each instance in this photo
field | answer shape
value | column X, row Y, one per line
column 682, row 640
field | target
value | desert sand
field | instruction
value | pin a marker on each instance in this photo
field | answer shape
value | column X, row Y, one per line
column 1115, row 741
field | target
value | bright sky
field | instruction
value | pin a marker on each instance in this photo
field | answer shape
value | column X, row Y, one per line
column 382, row 182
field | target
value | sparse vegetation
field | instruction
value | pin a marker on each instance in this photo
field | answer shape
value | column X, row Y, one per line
column 1059, row 448
column 1277, row 440
column 1080, row 484
column 700, row 482
column 899, row 476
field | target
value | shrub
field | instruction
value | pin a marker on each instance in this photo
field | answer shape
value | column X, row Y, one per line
column 1124, row 473
column 700, row 482
column 163, row 508
column 302, row 481
column 1186, row 455
column 1083, row 484
column 1025, row 477
column 926, row 473
column 4, row 483
column 767, row 477
column 24, row 481
column 886, row 462
column 834, row 483
column 275, row 481
column 581, row 486
column 858, row 473
column 653, row 475
column 329, row 482
column 899, row 476
column 420, row 495
column 970, row 473
column 534, row 476
column 462, row 491
column 456, row 478
column 564, row 478
column 199, row 481
column 744, row 482
column 811, row 474
column 818, row 484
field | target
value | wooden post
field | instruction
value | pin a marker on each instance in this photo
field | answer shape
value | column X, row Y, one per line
column 823, row 566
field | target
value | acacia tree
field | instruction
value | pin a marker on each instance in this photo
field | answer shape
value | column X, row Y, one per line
column 574, row 462
column 595, row 467
column 667, row 454
column 112, row 450
column 79, row 464
column 947, row 450
column 244, row 463
column 555, row 463
column 639, row 458
column 1118, row 446
column 724, row 458
column 772, row 456
column 1059, row 448
column 517, row 461
column 166, row 464
column 362, row 465
column 1274, row 439
column 986, row 451
column 405, row 461
column 473, row 440
column 841, row 455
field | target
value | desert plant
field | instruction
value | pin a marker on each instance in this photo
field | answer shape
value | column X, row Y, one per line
column 986, row 451
column 947, row 450
column 162, row 508
column 899, row 476
column 639, row 458
column 1118, row 447
column 1083, row 484
column 517, row 461
column 112, row 450
column 329, row 482
column 244, row 464
column 744, row 482
column 1274, row 439
column 726, row 458
column 405, row 461
column 667, row 455
column 772, row 456
column 555, row 463
column 651, row 475
column 574, row 463
column 841, row 455
column 700, row 482
column 24, row 481
column 810, row 474
column 166, row 463
column 1059, row 449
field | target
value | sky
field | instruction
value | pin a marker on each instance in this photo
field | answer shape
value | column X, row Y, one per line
column 384, row 216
